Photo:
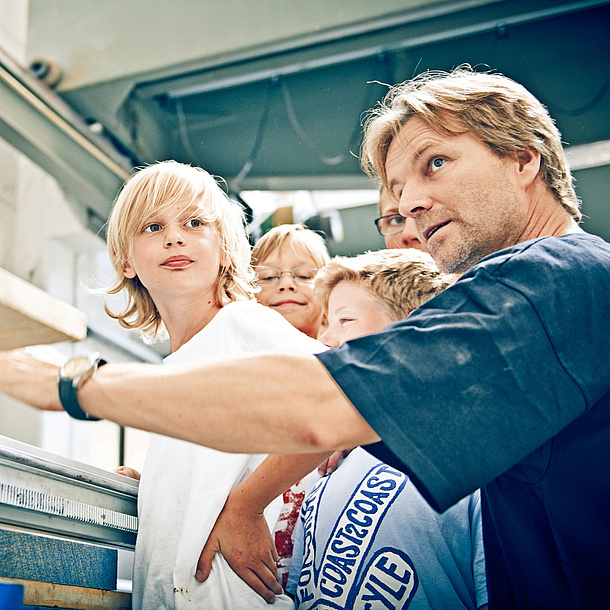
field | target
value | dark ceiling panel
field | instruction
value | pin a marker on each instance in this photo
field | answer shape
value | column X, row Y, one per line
column 564, row 61
column 295, row 125
column 303, row 119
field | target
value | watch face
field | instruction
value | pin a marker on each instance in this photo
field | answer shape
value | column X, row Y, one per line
column 76, row 366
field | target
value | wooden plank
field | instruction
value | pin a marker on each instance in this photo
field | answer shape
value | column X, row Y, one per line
column 30, row 316
column 48, row 595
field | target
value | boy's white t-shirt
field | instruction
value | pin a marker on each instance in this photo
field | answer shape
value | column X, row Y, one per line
column 184, row 486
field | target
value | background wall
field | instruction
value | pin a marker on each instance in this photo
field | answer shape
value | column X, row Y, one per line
column 43, row 240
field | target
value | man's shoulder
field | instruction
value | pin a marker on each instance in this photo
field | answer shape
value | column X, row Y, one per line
column 578, row 242
column 578, row 254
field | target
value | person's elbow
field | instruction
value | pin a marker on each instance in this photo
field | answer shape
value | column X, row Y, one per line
column 340, row 428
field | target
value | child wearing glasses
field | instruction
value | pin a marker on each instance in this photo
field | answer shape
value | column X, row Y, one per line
column 286, row 260
column 366, row 538
column 396, row 230
column 181, row 256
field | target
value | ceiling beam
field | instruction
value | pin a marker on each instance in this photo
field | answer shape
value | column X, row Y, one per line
column 39, row 124
column 586, row 156
column 388, row 35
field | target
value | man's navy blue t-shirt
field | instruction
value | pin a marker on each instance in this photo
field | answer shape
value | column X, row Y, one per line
column 503, row 382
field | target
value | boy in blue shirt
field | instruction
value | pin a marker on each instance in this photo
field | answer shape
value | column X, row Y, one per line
column 367, row 538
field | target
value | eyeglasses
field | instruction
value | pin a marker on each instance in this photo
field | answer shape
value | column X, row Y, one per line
column 390, row 224
column 300, row 274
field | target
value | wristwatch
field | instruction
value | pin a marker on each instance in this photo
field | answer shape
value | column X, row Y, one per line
column 71, row 376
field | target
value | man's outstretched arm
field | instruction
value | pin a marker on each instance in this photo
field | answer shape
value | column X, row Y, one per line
column 269, row 403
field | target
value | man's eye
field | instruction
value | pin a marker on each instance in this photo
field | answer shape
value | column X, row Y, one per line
column 436, row 163
column 152, row 228
column 344, row 321
column 194, row 223
column 396, row 220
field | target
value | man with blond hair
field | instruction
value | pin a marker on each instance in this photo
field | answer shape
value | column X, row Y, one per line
column 500, row 382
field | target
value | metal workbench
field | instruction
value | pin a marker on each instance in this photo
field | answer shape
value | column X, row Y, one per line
column 43, row 492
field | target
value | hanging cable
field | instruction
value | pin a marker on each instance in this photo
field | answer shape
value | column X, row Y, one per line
column 258, row 141
column 383, row 70
column 292, row 118
column 381, row 64
column 590, row 105
column 182, row 130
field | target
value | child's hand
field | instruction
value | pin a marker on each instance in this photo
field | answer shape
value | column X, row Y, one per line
column 128, row 472
column 330, row 465
column 242, row 535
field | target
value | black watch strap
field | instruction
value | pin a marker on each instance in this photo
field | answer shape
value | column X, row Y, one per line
column 69, row 398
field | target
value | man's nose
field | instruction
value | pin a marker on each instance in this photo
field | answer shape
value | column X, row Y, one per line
column 414, row 199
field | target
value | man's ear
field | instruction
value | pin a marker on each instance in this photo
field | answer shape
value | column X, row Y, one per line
column 529, row 165
column 128, row 271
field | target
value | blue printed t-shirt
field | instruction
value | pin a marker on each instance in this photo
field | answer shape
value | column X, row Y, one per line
column 502, row 382
column 367, row 539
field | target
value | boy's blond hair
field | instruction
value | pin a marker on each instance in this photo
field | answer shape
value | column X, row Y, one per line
column 163, row 185
column 298, row 237
column 401, row 280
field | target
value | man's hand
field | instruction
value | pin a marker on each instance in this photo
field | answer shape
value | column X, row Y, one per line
column 30, row 375
column 242, row 535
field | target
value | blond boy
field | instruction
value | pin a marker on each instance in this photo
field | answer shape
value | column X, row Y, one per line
column 392, row 283
column 182, row 258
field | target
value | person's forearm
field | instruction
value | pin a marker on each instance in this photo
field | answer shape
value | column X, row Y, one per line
column 233, row 405
column 274, row 476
